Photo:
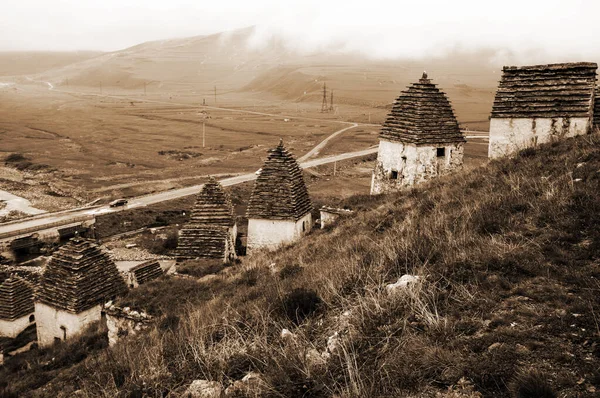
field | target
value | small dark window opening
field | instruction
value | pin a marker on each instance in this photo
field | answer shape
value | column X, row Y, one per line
column 64, row 329
column 31, row 318
column 394, row 175
column 441, row 152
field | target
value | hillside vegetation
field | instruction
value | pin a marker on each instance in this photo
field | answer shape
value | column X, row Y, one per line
column 506, row 304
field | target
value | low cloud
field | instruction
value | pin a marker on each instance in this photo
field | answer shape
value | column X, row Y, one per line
column 549, row 30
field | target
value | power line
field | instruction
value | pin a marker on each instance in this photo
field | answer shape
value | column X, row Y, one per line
column 324, row 104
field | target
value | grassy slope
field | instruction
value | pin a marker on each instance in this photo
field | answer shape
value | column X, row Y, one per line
column 508, row 254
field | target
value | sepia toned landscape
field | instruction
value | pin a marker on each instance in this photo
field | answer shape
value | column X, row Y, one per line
column 203, row 216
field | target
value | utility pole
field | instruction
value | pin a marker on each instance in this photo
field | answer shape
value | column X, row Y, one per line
column 331, row 102
column 324, row 104
column 215, row 94
column 203, row 134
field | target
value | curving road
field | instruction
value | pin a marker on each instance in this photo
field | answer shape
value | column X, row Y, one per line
column 48, row 220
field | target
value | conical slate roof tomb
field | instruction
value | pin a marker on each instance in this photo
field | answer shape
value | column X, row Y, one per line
column 541, row 103
column 279, row 211
column 16, row 306
column 419, row 140
column 211, row 231
column 76, row 283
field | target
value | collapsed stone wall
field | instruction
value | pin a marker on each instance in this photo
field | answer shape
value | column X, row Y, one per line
column 123, row 322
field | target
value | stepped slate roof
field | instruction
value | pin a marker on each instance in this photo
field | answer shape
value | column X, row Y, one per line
column 146, row 271
column 212, row 206
column 79, row 276
column 546, row 91
column 16, row 298
column 206, row 235
column 279, row 191
column 422, row 115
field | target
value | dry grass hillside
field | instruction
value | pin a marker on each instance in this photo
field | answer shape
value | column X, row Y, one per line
column 506, row 304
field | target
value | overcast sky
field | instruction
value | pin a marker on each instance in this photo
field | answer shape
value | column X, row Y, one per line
column 567, row 28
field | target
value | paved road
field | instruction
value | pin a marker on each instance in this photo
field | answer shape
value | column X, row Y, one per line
column 321, row 145
column 46, row 221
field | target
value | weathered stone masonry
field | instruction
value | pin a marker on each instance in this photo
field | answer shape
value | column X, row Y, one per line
column 78, row 280
column 211, row 231
column 16, row 306
column 279, row 210
column 540, row 103
column 420, row 139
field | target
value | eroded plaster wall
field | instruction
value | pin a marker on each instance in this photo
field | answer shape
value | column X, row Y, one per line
column 270, row 234
column 49, row 321
column 510, row 135
column 399, row 165
column 13, row 328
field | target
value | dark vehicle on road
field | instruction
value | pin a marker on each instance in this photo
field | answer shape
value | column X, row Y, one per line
column 118, row 202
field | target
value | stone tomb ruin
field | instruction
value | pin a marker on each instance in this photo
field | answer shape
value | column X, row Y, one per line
column 211, row 232
column 540, row 103
column 143, row 273
column 330, row 215
column 420, row 139
column 78, row 280
column 16, row 306
column 279, row 210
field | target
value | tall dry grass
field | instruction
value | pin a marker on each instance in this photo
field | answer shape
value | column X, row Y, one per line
column 508, row 259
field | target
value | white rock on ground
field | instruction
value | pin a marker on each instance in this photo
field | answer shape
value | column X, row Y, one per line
column 251, row 385
column 333, row 342
column 402, row 283
column 286, row 335
column 204, row 389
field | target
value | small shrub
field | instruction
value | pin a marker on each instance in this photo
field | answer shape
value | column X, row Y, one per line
column 289, row 270
column 301, row 303
column 532, row 384
column 170, row 322
column 14, row 157
column 200, row 268
column 527, row 152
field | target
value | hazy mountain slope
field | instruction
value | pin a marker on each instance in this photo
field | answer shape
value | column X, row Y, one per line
column 187, row 64
column 508, row 258
column 30, row 62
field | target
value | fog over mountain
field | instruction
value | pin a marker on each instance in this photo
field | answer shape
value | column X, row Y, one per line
column 552, row 30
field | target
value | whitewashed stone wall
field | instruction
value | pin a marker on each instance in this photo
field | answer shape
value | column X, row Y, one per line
column 270, row 234
column 13, row 328
column 49, row 321
column 510, row 135
column 414, row 164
